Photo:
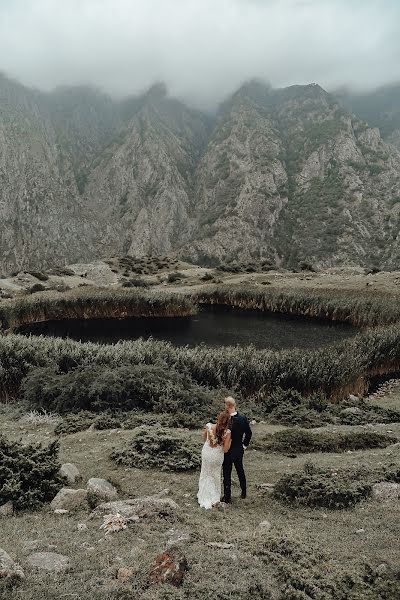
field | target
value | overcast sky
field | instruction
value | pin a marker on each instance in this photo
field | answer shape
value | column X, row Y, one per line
column 202, row 49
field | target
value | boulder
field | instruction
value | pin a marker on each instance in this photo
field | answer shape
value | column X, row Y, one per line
column 102, row 488
column 145, row 507
column 9, row 570
column 220, row 545
column 6, row 509
column 49, row 561
column 169, row 567
column 69, row 499
column 70, row 472
column 386, row 490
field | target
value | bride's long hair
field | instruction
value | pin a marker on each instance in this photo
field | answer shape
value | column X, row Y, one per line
column 223, row 421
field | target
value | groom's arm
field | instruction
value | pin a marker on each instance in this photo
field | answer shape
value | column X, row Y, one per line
column 247, row 432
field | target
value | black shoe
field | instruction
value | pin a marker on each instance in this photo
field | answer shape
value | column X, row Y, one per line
column 225, row 500
column 243, row 495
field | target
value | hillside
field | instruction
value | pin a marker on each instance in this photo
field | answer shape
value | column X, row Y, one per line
column 276, row 175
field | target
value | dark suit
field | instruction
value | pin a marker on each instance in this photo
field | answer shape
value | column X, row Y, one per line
column 240, row 436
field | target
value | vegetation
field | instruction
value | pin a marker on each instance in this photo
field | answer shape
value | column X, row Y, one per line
column 299, row 440
column 158, row 448
column 28, row 474
column 331, row 488
column 92, row 303
column 298, row 569
column 96, row 388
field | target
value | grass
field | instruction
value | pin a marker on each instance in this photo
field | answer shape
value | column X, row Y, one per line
column 305, row 548
column 81, row 303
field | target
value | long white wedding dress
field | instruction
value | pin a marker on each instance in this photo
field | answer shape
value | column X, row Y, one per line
column 212, row 457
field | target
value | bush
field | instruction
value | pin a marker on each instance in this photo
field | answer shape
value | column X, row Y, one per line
column 107, row 421
column 29, row 475
column 39, row 275
column 135, row 282
column 73, row 423
column 176, row 276
column 36, row 287
column 297, row 568
column 159, row 448
column 298, row 440
column 96, row 388
column 323, row 487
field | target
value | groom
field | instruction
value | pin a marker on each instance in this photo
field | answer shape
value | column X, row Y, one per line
column 241, row 436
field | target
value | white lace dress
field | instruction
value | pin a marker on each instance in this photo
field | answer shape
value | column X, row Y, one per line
column 212, row 457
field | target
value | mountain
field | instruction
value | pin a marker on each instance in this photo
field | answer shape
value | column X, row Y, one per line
column 280, row 175
column 380, row 108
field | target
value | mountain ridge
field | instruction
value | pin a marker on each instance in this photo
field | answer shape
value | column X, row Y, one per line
column 282, row 175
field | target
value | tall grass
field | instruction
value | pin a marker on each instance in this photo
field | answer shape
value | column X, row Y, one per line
column 362, row 309
column 336, row 370
column 91, row 303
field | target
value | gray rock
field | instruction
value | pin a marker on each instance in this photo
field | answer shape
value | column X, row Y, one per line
column 265, row 525
column 351, row 410
column 6, row 509
column 386, row 490
column 102, row 488
column 69, row 499
column 70, row 472
column 9, row 569
column 266, row 488
column 220, row 545
column 145, row 507
column 49, row 561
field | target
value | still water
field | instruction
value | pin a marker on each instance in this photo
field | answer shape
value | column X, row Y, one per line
column 214, row 326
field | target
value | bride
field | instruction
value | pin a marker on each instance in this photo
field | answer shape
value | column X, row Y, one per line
column 217, row 441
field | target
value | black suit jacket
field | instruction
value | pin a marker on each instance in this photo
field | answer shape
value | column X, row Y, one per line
column 240, row 434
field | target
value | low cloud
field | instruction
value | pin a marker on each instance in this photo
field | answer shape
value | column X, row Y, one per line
column 202, row 49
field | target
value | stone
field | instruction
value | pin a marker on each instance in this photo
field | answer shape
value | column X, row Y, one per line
column 7, row 509
column 61, row 511
column 169, row 567
column 81, row 527
column 70, row 472
column 386, row 490
column 125, row 574
column 177, row 537
column 69, row 499
column 220, row 545
column 265, row 525
column 102, row 488
column 351, row 410
column 145, row 507
column 360, row 531
column 266, row 488
column 49, row 561
column 9, row 569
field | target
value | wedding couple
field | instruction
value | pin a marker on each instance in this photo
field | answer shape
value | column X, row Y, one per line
column 224, row 446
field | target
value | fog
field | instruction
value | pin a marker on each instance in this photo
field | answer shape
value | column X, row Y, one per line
column 202, row 49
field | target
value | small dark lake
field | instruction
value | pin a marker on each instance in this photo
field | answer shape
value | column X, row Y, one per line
column 214, row 326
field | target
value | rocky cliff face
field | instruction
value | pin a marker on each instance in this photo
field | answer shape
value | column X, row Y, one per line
column 279, row 175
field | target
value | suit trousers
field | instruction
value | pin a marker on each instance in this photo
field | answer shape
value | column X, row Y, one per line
column 229, row 461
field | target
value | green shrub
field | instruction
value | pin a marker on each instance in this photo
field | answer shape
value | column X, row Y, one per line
column 39, row 275
column 29, row 475
column 36, row 287
column 159, row 448
column 107, row 421
column 72, row 423
column 96, row 388
column 176, row 276
column 299, row 440
column 304, row 572
column 323, row 487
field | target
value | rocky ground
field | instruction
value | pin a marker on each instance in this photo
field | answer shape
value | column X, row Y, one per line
column 161, row 536
column 171, row 273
